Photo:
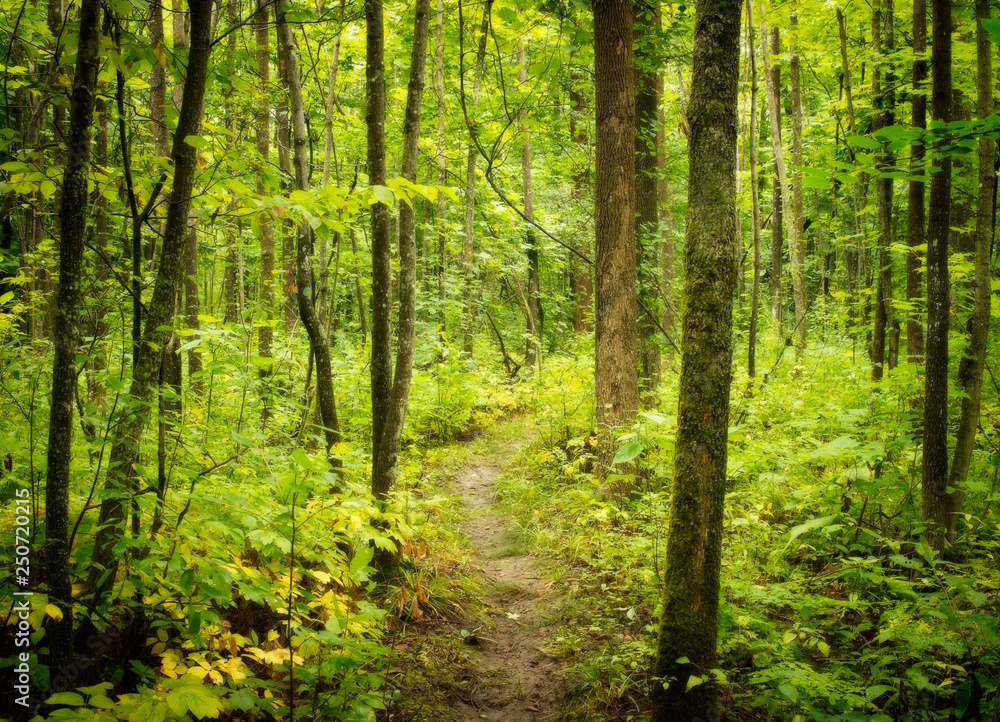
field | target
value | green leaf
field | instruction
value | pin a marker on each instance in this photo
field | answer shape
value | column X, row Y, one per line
column 66, row 698
column 924, row 550
column 693, row 681
column 992, row 26
column 877, row 690
column 384, row 194
column 241, row 439
column 627, row 452
column 789, row 692
column 302, row 459
column 863, row 141
column 196, row 141
column 817, row 523
column 194, row 621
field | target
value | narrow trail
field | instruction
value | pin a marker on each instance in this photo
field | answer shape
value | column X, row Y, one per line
column 523, row 685
column 492, row 664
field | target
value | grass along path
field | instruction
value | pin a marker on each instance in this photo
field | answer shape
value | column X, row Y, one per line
column 489, row 663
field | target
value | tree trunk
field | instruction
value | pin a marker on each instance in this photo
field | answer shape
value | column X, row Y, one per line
column 796, row 241
column 617, row 383
column 970, row 369
column 883, row 116
column 851, row 252
column 711, row 248
column 469, row 312
column 318, row 342
column 583, row 276
column 915, row 212
column 939, row 505
column 442, row 176
column 388, row 412
column 755, row 192
column 381, row 357
column 73, row 224
column 534, row 305
column 647, row 220
column 262, row 137
column 124, row 455
column 779, row 195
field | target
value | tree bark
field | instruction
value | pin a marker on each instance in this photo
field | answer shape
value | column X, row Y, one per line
column 389, row 410
column 617, row 383
column 73, row 225
column 938, row 503
column 711, row 249
column 121, row 479
column 381, row 357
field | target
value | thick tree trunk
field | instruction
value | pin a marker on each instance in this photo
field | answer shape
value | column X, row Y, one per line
column 617, row 383
column 389, row 411
column 711, row 249
column 66, row 332
column 146, row 365
column 318, row 342
column 939, row 505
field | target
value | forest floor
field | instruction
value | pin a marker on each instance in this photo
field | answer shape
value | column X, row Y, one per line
column 490, row 662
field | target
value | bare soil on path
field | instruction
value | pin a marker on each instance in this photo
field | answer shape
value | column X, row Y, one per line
column 498, row 669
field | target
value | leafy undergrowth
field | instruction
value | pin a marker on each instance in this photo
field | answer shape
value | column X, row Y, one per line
column 833, row 607
column 254, row 595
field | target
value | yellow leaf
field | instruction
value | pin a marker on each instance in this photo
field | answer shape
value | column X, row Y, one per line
column 53, row 611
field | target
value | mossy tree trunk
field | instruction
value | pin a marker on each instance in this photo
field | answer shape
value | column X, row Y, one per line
column 711, row 250
column 389, row 408
column 66, row 333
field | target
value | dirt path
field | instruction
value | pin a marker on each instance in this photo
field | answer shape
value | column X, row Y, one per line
column 492, row 663
column 522, row 681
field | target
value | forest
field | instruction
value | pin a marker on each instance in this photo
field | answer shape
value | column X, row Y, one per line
column 508, row 360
